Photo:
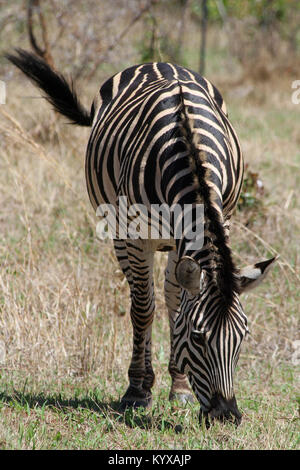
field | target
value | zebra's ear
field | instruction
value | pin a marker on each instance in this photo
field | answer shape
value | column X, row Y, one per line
column 251, row 276
column 187, row 274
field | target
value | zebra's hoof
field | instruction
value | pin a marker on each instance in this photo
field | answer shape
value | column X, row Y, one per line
column 134, row 398
column 183, row 398
column 203, row 418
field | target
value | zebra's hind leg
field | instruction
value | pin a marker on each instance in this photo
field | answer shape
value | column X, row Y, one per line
column 180, row 389
column 136, row 261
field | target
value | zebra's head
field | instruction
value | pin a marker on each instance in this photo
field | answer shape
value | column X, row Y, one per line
column 208, row 335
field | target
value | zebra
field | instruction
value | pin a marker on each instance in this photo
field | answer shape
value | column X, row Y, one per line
column 161, row 135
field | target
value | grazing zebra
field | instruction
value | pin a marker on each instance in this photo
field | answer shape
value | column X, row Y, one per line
column 161, row 135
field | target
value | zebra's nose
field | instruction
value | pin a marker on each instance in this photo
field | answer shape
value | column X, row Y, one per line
column 225, row 409
column 221, row 409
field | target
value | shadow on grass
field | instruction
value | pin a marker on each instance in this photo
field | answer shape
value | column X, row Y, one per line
column 132, row 418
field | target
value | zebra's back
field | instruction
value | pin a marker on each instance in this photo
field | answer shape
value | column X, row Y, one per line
column 136, row 147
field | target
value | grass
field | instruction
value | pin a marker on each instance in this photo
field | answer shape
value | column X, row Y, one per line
column 65, row 332
column 77, row 414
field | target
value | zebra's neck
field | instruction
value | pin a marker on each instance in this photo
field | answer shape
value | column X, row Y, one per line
column 209, row 246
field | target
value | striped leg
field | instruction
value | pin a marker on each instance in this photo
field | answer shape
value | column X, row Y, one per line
column 122, row 257
column 137, row 264
column 180, row 387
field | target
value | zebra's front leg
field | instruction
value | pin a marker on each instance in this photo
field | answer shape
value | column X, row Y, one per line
column 180, row 389
column 140, row 373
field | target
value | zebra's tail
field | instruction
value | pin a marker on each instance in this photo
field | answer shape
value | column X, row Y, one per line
column 58, row 92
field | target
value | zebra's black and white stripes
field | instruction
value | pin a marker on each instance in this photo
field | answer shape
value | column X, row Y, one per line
column 161, row 137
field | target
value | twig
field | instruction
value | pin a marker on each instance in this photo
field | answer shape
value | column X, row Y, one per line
column 203, row 36
column 45, row 52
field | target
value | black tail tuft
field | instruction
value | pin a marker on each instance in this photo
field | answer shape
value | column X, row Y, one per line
column 60, row 94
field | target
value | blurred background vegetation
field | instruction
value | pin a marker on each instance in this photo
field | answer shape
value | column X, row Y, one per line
column 256, row 37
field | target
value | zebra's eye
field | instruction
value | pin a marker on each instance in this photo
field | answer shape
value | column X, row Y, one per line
column 198, row 338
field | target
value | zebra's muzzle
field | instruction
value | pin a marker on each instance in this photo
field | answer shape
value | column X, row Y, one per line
column 223, row 410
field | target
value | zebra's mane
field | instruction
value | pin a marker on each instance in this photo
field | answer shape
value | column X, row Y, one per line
column 222, row 266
